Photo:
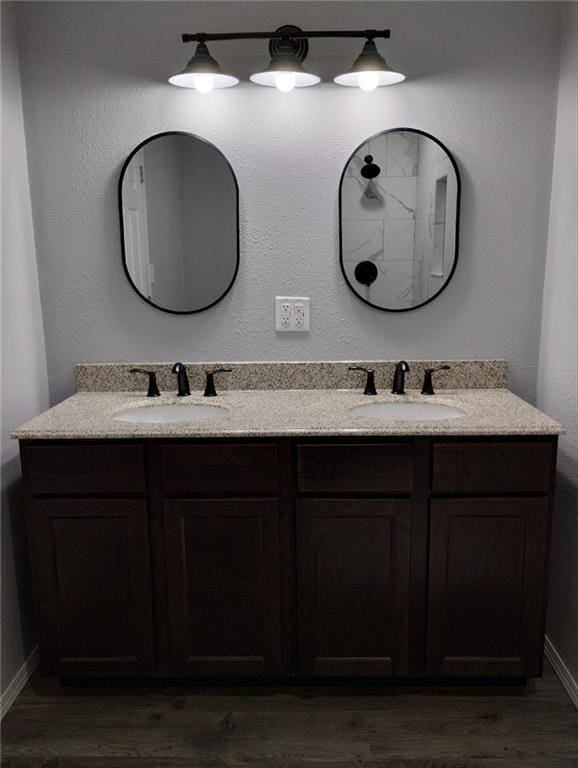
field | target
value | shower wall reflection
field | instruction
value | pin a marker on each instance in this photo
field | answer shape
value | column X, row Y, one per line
column 399, row 210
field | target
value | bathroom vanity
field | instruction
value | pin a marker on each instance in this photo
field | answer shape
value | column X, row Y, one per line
column 297, row 548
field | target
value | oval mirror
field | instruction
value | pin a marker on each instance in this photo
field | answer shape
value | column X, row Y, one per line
column 179, row 210
column 399, row 202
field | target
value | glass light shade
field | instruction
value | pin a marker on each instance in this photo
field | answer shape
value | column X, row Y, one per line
column 369, row 71
column 198, row 81
column 203, row 73
column 285, row 71
column 278, row 78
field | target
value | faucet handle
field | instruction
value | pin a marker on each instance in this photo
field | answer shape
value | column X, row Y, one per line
column 370, row 382
column 427, row 388
column 210, row 390
column 153, row 390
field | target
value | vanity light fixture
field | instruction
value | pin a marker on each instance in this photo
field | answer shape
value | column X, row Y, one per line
column 285, row 70
column 369, row 70
column 288, row 47
column 203, row 73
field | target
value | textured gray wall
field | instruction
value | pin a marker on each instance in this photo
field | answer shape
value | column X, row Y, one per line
column 482, row 81
column 24, row 378
column 558, row 371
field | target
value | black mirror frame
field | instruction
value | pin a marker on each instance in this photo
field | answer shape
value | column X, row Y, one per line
column 124, row 264
column 458, row 204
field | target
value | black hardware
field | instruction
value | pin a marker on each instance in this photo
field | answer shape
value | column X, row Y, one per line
column 183, row 388
column 370, row 170
column 291, row 35
column 153, row 390
column 398, row 387
column 210, row 390
column 370, row 383
column 427, row 388
column 287, row 32
column 365, row 273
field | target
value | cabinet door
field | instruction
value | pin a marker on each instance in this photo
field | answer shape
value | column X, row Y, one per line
column 92, row 570
column 353, row 585
column 487, row 574
column 223, row 577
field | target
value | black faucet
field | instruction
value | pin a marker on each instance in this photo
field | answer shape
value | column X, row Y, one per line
column 427, row 388
column 182, row 380
column 398, row 387
column 210, row 390
column 153, row 390
column 370, row 382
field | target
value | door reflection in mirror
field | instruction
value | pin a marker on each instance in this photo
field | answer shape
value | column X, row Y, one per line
column 179, row 212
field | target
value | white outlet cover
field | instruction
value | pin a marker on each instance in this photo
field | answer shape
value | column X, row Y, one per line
column 292, row 314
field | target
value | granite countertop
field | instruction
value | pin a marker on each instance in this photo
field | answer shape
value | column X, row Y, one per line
column 271, row 413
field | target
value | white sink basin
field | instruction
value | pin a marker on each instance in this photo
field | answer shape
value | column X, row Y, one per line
column 170, row 414
column 407, row 411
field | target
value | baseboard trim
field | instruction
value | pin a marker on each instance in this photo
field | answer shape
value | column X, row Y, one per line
column 562, row 671
column 18, row 682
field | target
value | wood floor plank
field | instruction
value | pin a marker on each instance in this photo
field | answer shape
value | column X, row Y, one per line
column 171, row 762
column 307, row 726
column 183, row 762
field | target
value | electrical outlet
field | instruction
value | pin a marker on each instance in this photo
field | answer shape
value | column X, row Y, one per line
column 286, row 315
column 301, row 316
column 292, row 313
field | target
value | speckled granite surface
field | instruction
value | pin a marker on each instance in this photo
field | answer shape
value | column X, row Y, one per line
column 290, row 413
column 464, row 374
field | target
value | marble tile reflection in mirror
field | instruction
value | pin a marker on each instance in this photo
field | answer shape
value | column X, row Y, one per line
column 399, row 210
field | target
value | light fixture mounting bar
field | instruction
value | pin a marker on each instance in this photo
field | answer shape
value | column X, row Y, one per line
column 204, row 37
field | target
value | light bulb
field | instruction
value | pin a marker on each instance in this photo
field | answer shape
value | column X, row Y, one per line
column 368, row 81
column 285, row 81
column 204, row 83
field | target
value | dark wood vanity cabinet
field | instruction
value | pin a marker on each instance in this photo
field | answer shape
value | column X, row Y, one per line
column 317, row 558
column 353, row 586
column 486, row 586
column 353, row 523
column 93, row 586
column 223, row 585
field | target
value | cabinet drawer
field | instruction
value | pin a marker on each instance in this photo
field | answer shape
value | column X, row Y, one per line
column 227, row 468
column 74, row 469
column 492, row 467
column 355, row 467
